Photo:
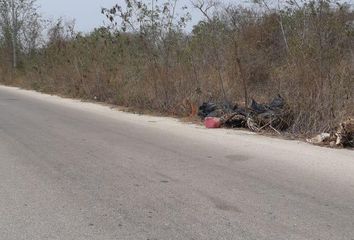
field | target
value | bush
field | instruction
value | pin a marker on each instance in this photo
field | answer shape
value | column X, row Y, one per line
column 302, row 52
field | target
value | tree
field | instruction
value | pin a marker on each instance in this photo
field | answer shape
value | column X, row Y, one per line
column 19, row 26
column 213, row 24
column 159, row 24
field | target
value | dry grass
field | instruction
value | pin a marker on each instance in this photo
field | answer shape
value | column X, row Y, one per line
column 238, row 51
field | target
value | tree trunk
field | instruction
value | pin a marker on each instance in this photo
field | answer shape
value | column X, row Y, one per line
column 242, row 73
column 14, row 35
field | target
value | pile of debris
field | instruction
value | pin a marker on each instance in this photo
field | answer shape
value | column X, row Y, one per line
column 274, row 115
column 342, row 137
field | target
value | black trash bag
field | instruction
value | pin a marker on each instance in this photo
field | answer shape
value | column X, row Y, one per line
column 275, row 114
column 277, row 103
column 241, row 111
column 210, row 109
column 206, row 108
column 258, row 107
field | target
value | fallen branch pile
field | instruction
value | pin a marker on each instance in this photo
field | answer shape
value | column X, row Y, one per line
column 257, row 117
column 342, row 137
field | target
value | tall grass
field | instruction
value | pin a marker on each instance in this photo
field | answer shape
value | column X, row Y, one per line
column 305, row 53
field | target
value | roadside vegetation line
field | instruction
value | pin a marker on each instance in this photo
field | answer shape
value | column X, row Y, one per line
column 147, row 60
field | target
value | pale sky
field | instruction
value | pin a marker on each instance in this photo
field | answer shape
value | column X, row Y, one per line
column 88, row 12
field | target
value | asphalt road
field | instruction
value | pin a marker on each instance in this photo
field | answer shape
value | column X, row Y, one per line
column 80, row 171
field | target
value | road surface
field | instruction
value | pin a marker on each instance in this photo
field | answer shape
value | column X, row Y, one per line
column 81, row 171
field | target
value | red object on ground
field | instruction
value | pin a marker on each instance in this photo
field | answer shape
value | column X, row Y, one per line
column 211, row 122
